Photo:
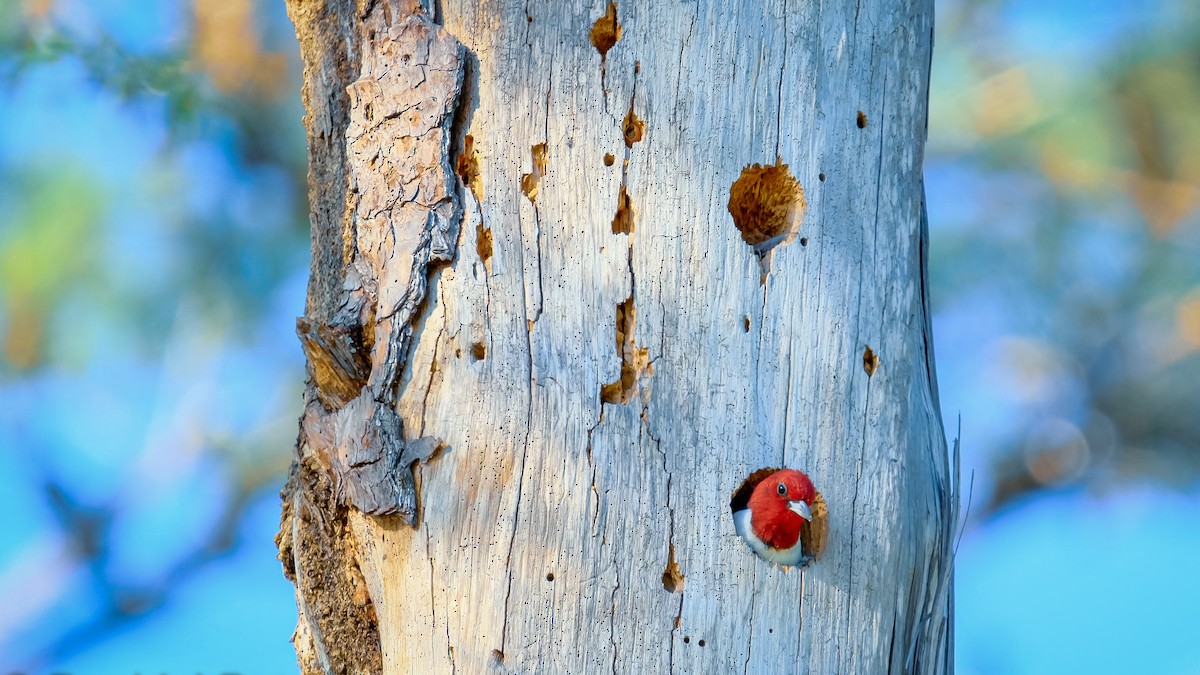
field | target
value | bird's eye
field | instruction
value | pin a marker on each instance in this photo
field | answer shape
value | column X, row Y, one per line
column 782, row 489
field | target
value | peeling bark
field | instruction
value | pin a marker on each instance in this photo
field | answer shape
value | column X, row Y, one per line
column 402, row 215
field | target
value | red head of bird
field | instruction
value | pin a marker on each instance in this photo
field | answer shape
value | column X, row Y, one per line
column 769, row 518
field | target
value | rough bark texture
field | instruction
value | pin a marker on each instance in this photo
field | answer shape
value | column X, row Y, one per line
column 606, row 358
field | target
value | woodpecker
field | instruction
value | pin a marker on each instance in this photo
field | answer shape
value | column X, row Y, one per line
column 773, row 512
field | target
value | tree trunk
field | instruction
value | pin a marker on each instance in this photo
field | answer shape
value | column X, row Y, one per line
column 526, row 246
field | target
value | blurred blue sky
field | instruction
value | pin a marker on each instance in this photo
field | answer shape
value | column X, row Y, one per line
column 1079, row 583
column 1085, row 577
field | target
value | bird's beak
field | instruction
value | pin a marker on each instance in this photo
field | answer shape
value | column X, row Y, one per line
column 801, row 509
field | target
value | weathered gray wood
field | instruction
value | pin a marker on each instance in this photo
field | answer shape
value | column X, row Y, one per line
column 547, row 522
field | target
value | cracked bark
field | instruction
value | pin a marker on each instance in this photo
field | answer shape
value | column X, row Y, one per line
column 550, row 511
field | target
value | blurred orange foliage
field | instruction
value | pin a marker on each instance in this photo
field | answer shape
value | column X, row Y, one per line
column 226, row 46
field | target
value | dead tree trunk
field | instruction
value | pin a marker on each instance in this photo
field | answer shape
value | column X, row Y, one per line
column 528, row 244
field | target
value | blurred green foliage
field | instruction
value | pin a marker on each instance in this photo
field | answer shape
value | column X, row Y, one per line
column 50, row 250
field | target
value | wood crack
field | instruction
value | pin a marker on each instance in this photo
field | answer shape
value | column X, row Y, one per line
column 433, row 362
column 750, row 627
column 779, row 90
column 433, row 601
column 612, row 616
column 588, row 450
column 674, row 628
column 862, row 458
column 520, row 491
column 787, row 409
